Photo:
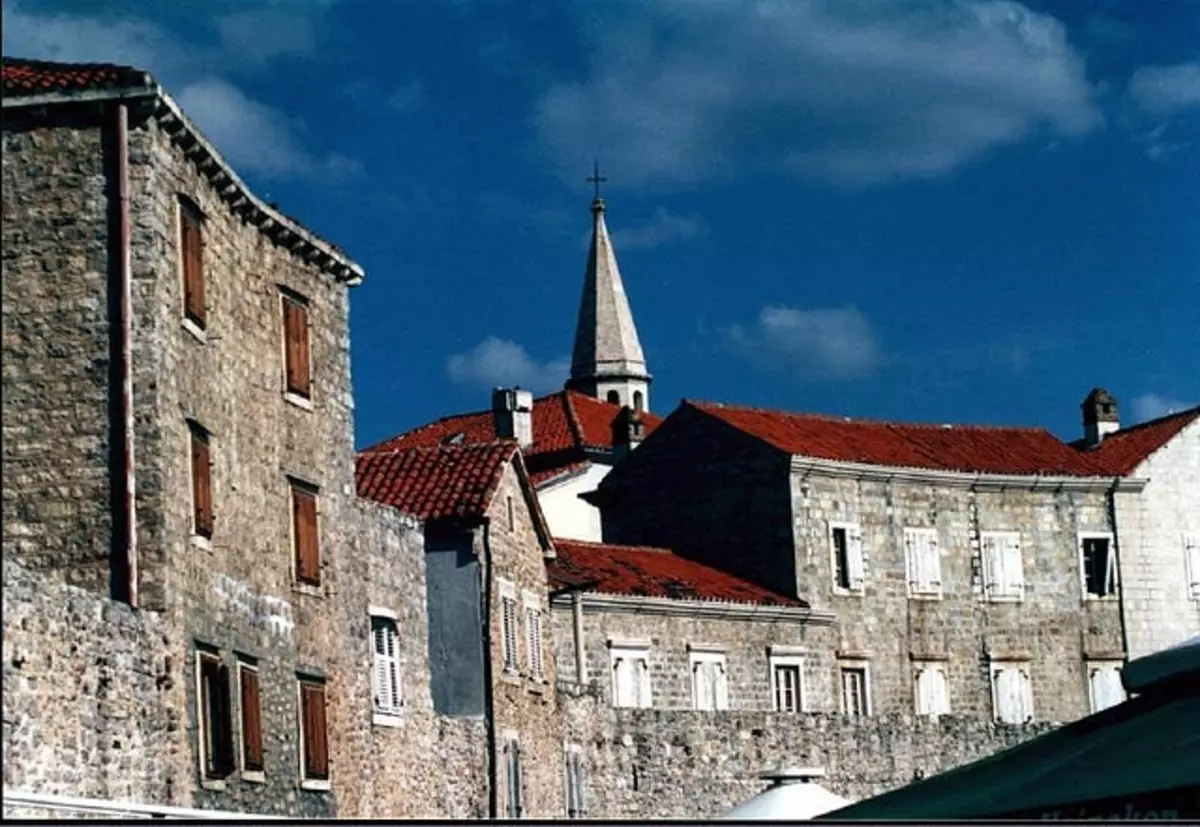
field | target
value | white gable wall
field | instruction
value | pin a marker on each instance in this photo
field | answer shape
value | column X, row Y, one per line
column 570, row 517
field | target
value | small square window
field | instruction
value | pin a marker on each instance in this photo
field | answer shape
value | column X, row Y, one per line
column 787, row 683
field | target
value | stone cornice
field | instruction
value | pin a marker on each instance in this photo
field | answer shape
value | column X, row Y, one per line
column 703, row 609
column 809, row 466
column 232, row 189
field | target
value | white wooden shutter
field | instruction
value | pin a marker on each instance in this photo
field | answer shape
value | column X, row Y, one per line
column 992, row 574
column 1106, row 687
column 380, row 675
column 854, row 558
column 924, row 702
column 1014, row 567
column 1005, row 682
column 722, row 686
column 1191, row 552
column 642, row 668
column 910, row 559
column 933, row 564
column 941, row 693
column 620, row 683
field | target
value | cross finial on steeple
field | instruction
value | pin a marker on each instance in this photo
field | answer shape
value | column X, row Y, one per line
column 595, row 179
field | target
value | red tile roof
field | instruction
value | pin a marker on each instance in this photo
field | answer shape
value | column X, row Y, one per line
column 566, row 422
column 1122, row 451
column 39, row 77
column 651, row 572
column 967, row 448
column 434, row 483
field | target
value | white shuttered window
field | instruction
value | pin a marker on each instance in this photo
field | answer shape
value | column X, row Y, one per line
column 631, row 676
column 923, row 562
column 787, row 681
column 1003, row 569
column 508, row 626
column 1012, row 693
column 533, row 631
column 386, row 674
column 845, row 541
column 1191, row 554
column 710, row 687
column 1104, row 684
column 855, row 691
column 931, row 691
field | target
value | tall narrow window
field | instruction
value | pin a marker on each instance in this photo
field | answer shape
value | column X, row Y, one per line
column 202, row 507
column 1099, row 566
column 191, row 246
column 296, row 347
column 846, row 545
column 1104, row 686
column 575, row 782
column 215, row 716
column 314, row 742
column 787, row 681
column 614, row 398
column 508, row 627
column 931, row 691
column 386, row 676
column 512, row 764
column 533, row 628
column 855, row 700
column 511, row 511
column 1191, row 555
column 1003, row 571
column 710, row 685
column 252, row 739
column 639, row 401
column 1012, row 693
column 305, row 541
column 630, row 676
column 922, row 562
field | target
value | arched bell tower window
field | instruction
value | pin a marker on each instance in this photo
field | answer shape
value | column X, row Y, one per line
column 614, row 397
column 639, row 402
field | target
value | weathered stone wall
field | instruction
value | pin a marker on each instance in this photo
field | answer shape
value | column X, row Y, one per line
column 746, row 644
column 709, row 492
column 1052, row 627
column 93, row 694
column 57, row 516
column 523, row 704
column 686, row 764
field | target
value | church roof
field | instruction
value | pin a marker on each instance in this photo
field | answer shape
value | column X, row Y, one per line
column 606, row 340
column 442, row 482
column 565, row 425
column 965, row 448
column 1120, row 452
column 643, row 571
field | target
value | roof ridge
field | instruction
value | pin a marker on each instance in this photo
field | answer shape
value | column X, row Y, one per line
column 854, row 420
column 618, row 546
column 463, row 448
column 573, row 419
column 1192, row 411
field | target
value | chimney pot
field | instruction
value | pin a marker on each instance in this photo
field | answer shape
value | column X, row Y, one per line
column 512, row 411
column 1100, row 416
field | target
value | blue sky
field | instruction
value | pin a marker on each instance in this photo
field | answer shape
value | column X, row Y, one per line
column 956, row 212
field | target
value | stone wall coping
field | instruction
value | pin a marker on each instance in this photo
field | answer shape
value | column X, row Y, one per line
column 229, row 186
column 811, row 466
column 701, row 609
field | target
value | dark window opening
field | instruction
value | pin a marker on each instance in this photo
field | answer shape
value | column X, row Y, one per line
column 614, row 397
column 841, row 558
column 1099, row 570
column 216, row 726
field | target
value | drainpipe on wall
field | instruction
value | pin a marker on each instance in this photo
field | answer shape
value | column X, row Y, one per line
column 577, row 616
column 489, row 710
column 125, row 571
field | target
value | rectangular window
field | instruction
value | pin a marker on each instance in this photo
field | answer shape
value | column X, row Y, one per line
column 191, row 246
column 252, row 738
column 787, row 682
column 512, row 513
column 1099, row 565
column 846, row 546
column 1104, row 685
column 513, row 805
column 1003, row 570
column 575, row 782
column 923, row 562
column 314, row 760
column 202, row 507
column 710, row 684
column 385, row 678
column 630, row 666
column 1012, row 693
column 855, row 692
column 305, row 541
column 931, row 690
column 508, row 627
column 1191, row 555
column 215, row 716
column 296, row 347
column 533, row 629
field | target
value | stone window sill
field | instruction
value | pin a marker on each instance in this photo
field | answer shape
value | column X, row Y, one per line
column 537, row 687
column 387, row 719
column 316, row 784
column 303, row 402
column 214, row 784
column 924, row 596
column 1004, row 598
column 254, row 776
column 202, row 542
column 840, row 592
column 1100, row 598
column 308, row 589
column 196, row 330
column 511, row 676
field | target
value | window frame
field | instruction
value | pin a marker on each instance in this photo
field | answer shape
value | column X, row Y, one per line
column 862, row 668
column 299, row 490
column 302, row 397
column 922, row 534
column 254, row 774
column 854, row 551
column 307, row 781
column 920, row 667
column 213, row 774
column 1023, row 669
column 1011, row 595
column 620, row 651
column 1107, row 536
column 790, row 661
column 390, row 715
column 701, row 655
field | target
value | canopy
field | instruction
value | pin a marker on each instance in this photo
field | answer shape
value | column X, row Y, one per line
column 792, row 797
column 1138, row 758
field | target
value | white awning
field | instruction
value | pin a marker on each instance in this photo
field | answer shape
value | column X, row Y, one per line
column 792, row 796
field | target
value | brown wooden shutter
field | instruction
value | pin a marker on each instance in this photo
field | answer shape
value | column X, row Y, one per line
column 202, row 484
column 193, row 267
column 316, row 753
column 295, row 332
column 308, row 554
column 252, row 749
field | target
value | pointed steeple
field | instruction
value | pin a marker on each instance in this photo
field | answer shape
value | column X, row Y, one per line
column 607, row 361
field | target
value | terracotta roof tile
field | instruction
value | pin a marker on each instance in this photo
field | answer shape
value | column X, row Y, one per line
column 39, row 77
column 967, row 448
column 434, row 483
column 1121, row 452
column 651, row 572
column 566, row 422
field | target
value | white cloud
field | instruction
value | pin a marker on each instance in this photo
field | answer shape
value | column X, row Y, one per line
column 663, row 228
column 496, row 362
column 1152, row 406
column 261, row 34
column 1164, row 90
column 682, row 90
column 822, row 344
column 406, row 96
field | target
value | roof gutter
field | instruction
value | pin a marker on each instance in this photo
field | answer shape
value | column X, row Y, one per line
column 976, row 481
column 708, row 609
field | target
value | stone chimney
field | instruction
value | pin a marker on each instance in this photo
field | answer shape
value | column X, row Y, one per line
column 627, row 432
column 1099, row 416
column 512, row 409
